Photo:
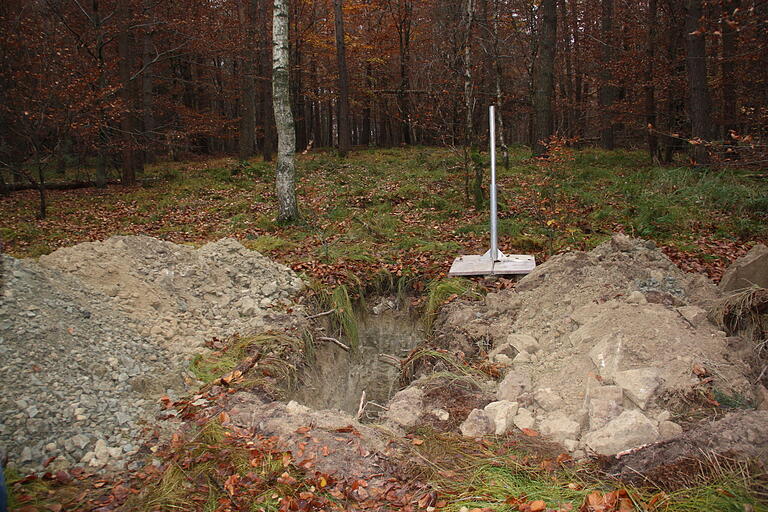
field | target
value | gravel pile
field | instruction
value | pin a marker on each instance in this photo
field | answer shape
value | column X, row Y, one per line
column 92, row 335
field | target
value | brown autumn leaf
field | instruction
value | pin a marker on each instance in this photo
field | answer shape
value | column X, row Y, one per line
column 529, row 432
column 537, row 506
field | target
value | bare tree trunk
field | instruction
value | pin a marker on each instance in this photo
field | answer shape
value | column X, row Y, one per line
column 699, row 110
column 498, row 77
column 468, row 22
column 101, row 162
column 266, row 114
column 365, row 130
column 607, row 92
column 132, row 161
column 543, row 77
column 247, row 135
column 650, row 89
column 288, row 210
column 728, row 68
column 147, row 93
column 343, row 105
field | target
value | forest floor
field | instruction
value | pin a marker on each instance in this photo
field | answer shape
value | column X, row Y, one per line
column 409, row 211
column 395, row 212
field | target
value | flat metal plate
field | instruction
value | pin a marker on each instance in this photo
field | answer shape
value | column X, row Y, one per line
column 481, row 265
column 514, row 264
column 474, row 265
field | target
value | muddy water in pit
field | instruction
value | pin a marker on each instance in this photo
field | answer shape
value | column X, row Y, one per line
column 338, row 378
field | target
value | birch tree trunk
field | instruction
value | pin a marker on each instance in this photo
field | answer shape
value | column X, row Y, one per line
column 288, row 210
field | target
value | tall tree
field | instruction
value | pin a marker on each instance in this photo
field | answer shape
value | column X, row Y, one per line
column 699, row 107
column 607, row 94
column 544, row 77
column 345, row 142
column 288, row 210
column 247, row 139
column 650, row 90
column 728, row 67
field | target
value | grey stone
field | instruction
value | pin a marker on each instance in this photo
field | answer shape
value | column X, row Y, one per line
column 749, row 270
column 605, row 404
column 505, row 349
column 524, row 419
column 522, row 357
column 523, row 343
column 559, row 426
column 406, row 407
column 502, row 413
column 669, row 430
column 440, row 414
column 514, row 384
column 639, row 384
column 477, row 424
column 694, row 315
column 548, row 399
column 630, row 430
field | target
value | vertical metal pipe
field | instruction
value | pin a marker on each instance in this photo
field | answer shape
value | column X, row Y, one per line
column 494, row 235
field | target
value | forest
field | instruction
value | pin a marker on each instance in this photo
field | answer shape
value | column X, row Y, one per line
column 218, row 215
column 117, row 85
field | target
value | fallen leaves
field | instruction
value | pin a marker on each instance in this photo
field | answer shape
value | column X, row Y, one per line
column 614, row 501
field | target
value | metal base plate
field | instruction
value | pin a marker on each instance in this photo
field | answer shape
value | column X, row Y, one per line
column 482, row 265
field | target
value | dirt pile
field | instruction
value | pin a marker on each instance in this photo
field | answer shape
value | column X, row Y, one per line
column 92, row 335
column 599, row 347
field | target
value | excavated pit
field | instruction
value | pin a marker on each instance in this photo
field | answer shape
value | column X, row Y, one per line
column 337, row 378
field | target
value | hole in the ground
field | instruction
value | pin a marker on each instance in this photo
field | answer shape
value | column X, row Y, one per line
column 337, row 378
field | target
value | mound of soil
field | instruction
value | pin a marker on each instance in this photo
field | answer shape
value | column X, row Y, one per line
column 598, row 348
column 92, row 335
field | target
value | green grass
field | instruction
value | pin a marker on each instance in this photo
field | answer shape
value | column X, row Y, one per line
column 405, row 210
column 439, row 291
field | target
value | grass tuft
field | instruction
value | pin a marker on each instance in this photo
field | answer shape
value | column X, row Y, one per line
column 441, row 290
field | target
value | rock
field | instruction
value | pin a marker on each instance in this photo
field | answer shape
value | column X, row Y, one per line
column 524, row 419
column 761, row 397
column 101, row 450
column 248, row 306
column 669, row 430
column 637, row 297
column 477, row 424
column 522, row 357
column 440, row 414
column 269, row 289
column 505, row 349
column 548, row 399
column 694, row 315
column 406, row 407
column 502, row 414
column 523, row 343
column 630, row 430
column 514, row 384
column 639, row 384
column 604, row 404
column 749, row 270
column 559, row 426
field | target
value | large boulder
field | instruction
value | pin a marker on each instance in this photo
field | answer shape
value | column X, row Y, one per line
column 630, row 430
column 749, row 270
